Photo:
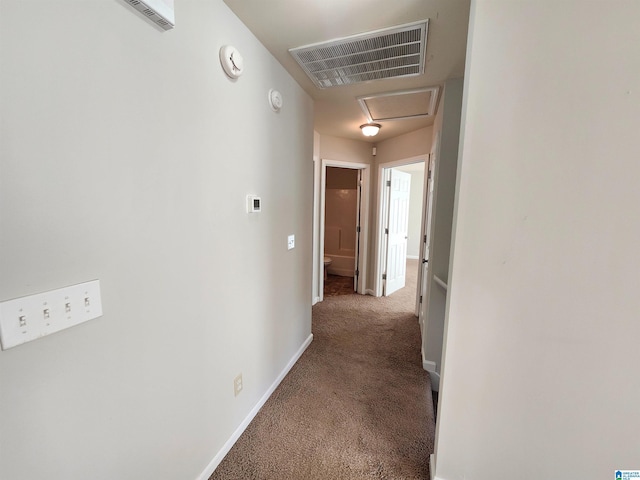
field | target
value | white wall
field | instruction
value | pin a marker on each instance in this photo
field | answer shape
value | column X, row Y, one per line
column 126, row 155
column 541, row 362
column 345, row 150
column 409, row 145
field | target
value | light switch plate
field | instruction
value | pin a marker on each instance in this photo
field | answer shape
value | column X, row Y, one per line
column 291, row 242
column 28, row 318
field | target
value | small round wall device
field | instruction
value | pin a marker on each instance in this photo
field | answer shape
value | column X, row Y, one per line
column 275, row 100
column 231, row 61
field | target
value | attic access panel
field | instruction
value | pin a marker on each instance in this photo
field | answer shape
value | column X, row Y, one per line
column 400, row 105
column 388, row 53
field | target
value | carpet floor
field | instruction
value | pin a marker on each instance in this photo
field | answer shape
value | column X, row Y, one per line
column 357, row 405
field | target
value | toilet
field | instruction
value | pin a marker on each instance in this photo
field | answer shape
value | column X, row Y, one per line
column 327, row 262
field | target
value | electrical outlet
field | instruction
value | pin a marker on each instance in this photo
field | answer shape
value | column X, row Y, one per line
column 29, row 318
column 291, row 242
column 237, row 385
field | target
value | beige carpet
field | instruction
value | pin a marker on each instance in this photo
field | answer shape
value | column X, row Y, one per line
column 357, row 405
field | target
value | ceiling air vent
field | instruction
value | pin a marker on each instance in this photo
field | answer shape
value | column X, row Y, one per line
column 159, row 12
column 389, row 53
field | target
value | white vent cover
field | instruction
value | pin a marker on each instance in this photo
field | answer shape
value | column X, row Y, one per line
column 159, row 12
column 388, row 53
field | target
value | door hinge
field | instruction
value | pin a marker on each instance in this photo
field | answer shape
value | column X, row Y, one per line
column 420, row 298
column 386, row 231
column 388, row 183
column 357, row 273
column 425, row 239
column 384, row 276
column 429, row 175
column 358, row 229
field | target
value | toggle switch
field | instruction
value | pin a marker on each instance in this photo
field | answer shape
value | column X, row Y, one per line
column 34, row 316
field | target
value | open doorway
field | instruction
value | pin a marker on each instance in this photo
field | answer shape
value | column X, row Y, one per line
column 341, row 230
column 343, row 215
column 401, row 206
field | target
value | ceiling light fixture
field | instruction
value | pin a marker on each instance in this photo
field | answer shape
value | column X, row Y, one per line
column 370, row 129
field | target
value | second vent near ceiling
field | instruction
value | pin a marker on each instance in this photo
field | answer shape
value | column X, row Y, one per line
column 388, row 53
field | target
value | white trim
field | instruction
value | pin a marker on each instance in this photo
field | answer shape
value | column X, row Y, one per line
column 315, row 286
column 440, row 282
column 377, row 280
column 369, row 291
column 432, row 466
column 364, row 220
column 412, row 257
column 254, row 411
column 430, row 367
column 431, row 109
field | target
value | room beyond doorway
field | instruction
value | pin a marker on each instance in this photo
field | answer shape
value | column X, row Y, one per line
column 361, row 235
column 401, row 200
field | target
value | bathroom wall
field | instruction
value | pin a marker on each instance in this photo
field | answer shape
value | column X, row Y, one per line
column 341, row 209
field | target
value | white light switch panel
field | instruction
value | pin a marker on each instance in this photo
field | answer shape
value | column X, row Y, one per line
column 34, row 316
column 291, row 242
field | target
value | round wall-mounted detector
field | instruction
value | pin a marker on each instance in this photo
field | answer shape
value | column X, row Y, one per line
column 275, row 100
column 231, row 61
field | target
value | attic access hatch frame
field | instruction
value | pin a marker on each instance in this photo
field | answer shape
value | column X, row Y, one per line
column 386, row 53
column 412, row 111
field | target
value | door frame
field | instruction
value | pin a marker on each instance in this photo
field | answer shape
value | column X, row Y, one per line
column 380, row 218
column 365, row 168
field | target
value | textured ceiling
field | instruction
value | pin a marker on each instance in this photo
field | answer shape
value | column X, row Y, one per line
column 284, row 24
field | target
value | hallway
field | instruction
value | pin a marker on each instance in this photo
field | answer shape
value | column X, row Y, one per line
column 357, row 405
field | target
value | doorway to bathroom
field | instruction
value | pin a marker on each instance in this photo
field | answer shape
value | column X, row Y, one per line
column 343, row 221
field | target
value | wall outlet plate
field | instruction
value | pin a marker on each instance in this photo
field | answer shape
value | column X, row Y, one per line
column 237, row 385
column 291, row 242
column 28, row 318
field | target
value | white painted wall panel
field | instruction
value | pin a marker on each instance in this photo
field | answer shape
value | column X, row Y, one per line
column 126, row 155
column 540, row 372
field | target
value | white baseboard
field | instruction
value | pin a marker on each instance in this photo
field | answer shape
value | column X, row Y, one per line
column 432, row 466
column 435, row 376
column 428, row 365
column 254, row 411
column 315, row 300
column 369, row 291
column 412, row 257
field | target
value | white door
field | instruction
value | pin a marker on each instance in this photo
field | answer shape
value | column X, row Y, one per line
column 427, row 238
column 397, row 231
